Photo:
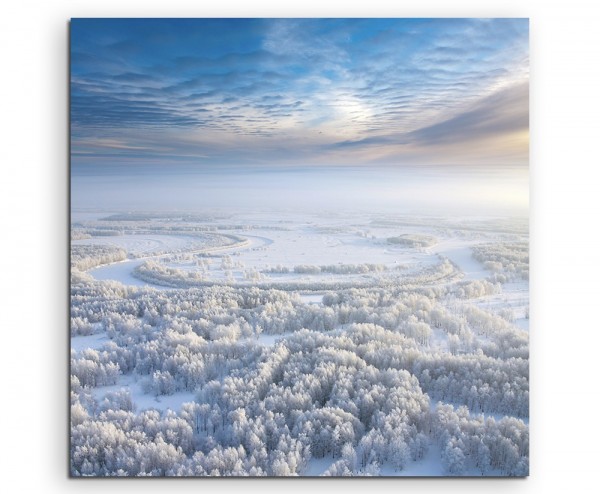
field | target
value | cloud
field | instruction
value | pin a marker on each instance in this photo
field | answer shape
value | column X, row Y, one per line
column 299, row 90
column 506, row 111
column 492, row 130
column 95, row 111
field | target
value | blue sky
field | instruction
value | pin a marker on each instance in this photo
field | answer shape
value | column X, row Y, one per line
column 220, row 93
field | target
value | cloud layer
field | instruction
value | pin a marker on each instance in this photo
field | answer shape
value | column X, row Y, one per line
column 252, row 92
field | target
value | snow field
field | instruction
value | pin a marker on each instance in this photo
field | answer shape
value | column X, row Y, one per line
column 302, row 241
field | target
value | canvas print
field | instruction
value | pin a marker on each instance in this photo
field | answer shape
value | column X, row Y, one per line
column 299, row 247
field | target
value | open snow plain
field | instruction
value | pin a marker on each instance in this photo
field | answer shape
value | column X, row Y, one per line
column 289, row 344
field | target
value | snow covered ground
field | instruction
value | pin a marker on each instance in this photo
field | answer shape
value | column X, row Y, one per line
column 264, row 251
column 122, row 271
column 277, row 248
column 271, row 248
column 311, row 298
column 146, row 245
column 142, row 400
column 94, row 341
column 271, row 339
column 316, row 466
column 430, row 465
column 459, row 252
column 513, row 299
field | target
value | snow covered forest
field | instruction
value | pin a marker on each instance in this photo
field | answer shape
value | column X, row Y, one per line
column 261, row 344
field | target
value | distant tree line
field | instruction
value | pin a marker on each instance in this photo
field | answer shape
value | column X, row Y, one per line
column 508, row 261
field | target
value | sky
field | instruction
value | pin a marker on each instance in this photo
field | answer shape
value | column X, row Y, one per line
column 236, row 97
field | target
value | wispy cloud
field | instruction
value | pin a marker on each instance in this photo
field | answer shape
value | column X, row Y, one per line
column 307, row 91
column 503, row 112
column 493, row 118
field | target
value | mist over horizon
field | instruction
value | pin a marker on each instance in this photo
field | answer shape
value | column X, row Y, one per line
column 415, row 190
